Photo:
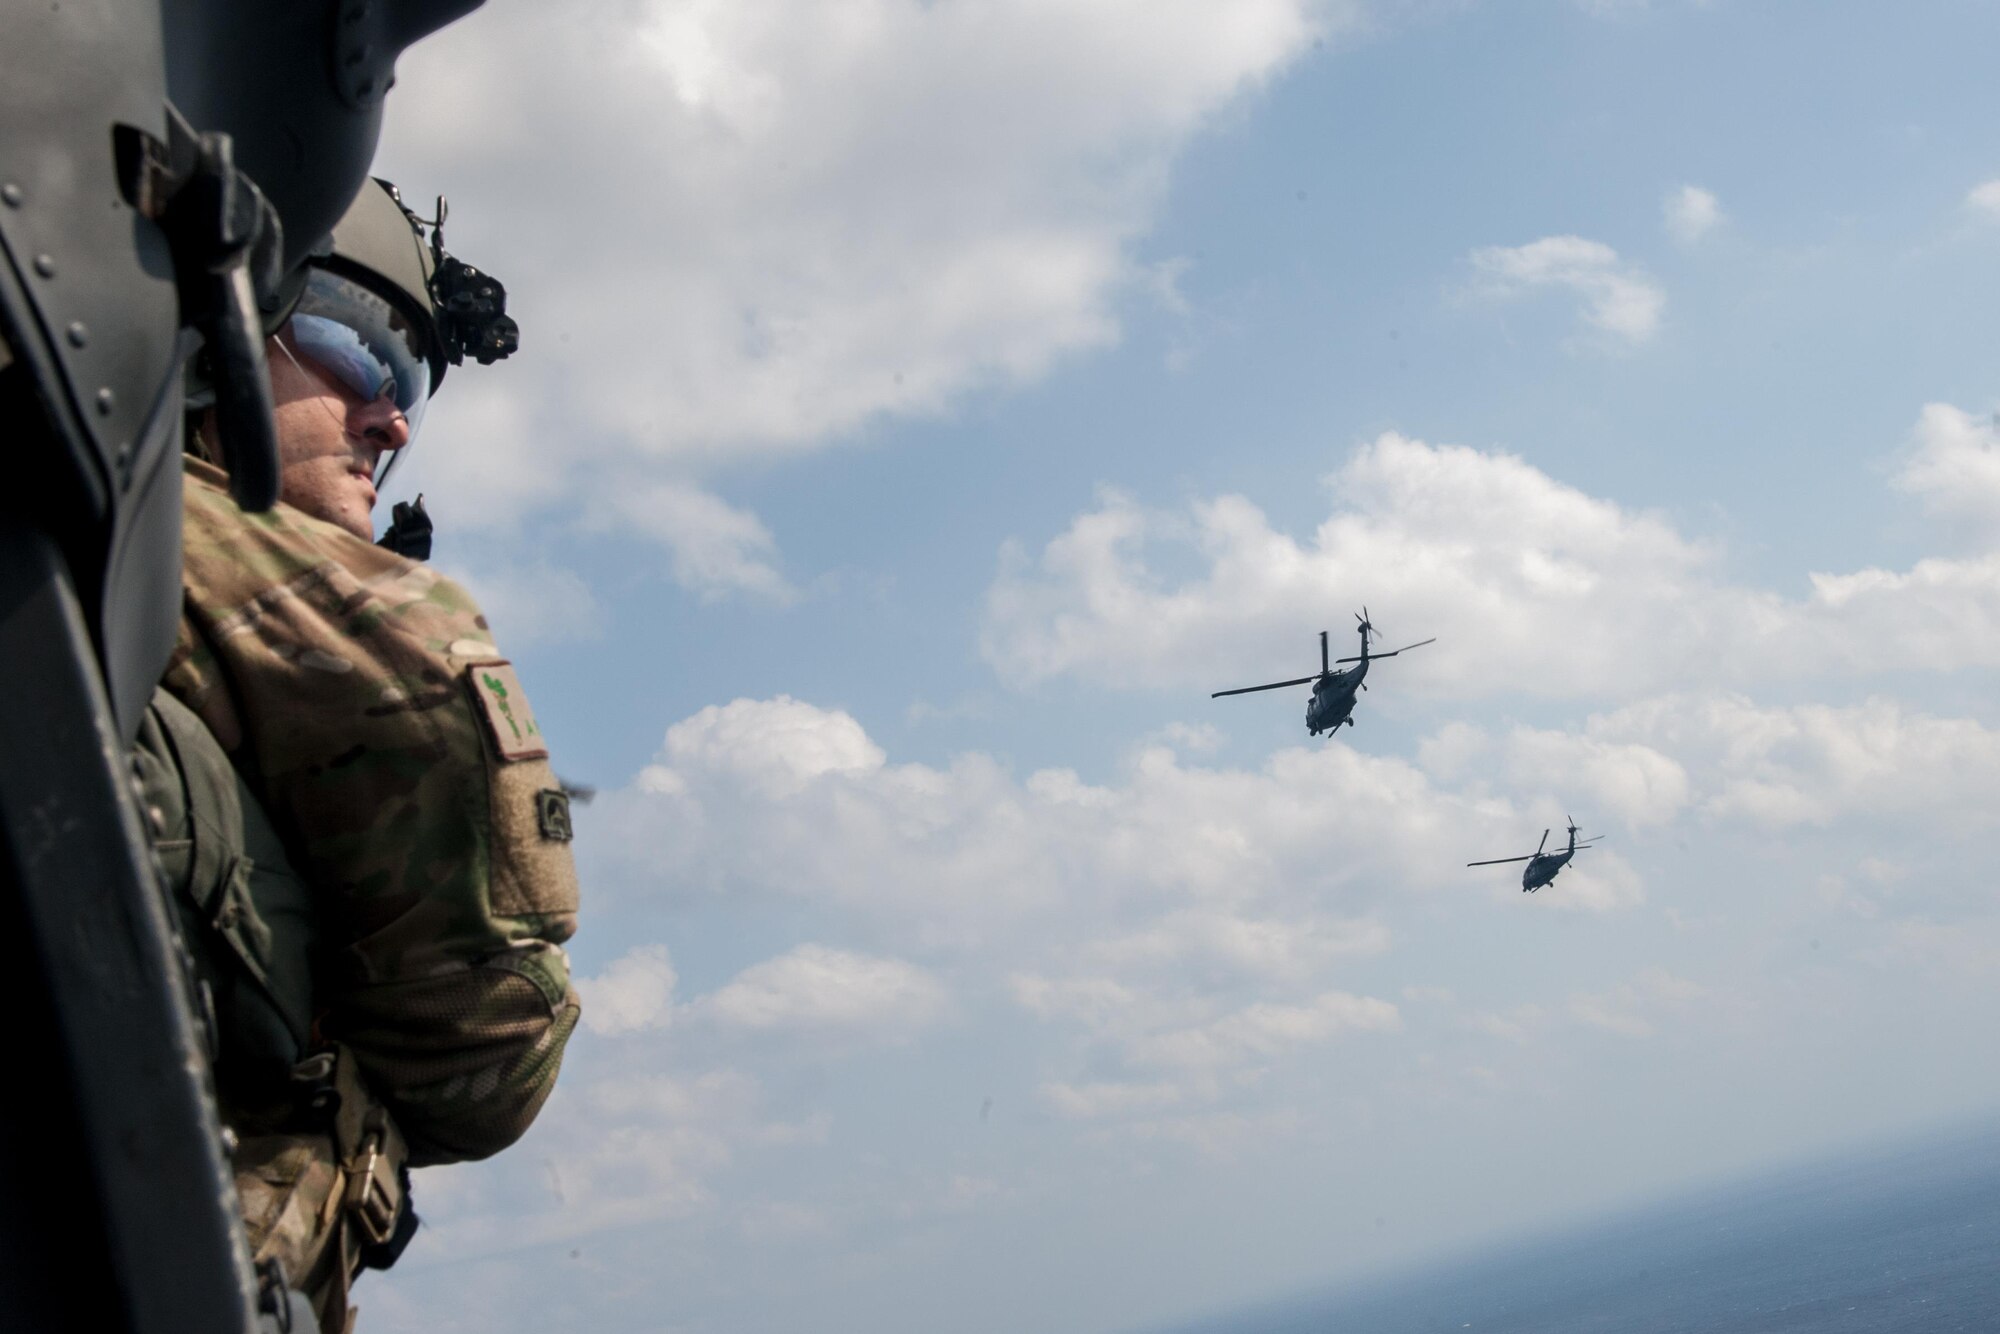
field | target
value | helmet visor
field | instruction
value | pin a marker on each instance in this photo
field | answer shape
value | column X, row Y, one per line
column 366, row 344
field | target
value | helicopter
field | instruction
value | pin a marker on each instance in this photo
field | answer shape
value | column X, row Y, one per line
column 1332, row 701
column 1542, row 866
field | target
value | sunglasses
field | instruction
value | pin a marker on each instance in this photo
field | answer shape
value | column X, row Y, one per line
column 366, row 345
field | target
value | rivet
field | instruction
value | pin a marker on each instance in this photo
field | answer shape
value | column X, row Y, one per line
column 106, row 401
column 11, row 193
column 229, row 1142
column 45, row 265
column 78, row 333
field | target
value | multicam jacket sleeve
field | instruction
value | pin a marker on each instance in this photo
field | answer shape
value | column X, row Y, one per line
column 361, row 695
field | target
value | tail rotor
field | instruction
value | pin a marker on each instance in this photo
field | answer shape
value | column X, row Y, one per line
column 1578, row 845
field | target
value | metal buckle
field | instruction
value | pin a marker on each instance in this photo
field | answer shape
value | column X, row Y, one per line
column 374, row 1196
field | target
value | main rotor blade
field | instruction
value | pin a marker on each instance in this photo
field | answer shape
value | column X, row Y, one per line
column 1500, row 860
column 1404, row 649
column 1545, row 842
column 1275, row 685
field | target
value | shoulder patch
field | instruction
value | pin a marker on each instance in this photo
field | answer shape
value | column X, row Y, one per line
column 504, row 705
column 552, row 814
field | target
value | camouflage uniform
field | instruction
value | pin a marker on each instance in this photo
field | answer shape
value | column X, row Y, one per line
column 361, row 696
column 356, row 697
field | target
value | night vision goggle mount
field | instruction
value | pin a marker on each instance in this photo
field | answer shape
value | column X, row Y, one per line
column 470, row 304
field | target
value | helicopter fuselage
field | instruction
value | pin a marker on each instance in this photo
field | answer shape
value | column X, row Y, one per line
column 1332, row 700
column 1541, row 870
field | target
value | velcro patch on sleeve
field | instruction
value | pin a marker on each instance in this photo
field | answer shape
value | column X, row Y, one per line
column 504, row 705
column 552, row 815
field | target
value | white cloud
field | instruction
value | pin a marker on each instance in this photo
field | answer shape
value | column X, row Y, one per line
column 744, row 228
column 1619, row 299
column 1098, row 1002
column 1178, row 893
column 639, row 1139
column 1691, row 213
column 810, row 989
column 484, row 468
column 816, row 989
column 1190, row 917
column 1519, row 1025
column 775, row 746
column 1728, row 758
column 1277, row 949
column 1266, row 1030
column 1819, row 765
column 1091, row 1101
column 1984, row 199
column 1952, row 467
column 1530, row 586
column 1280, row 863
column 1444, row 538
column 1196, row 1040
column 1632, row 783
column 716, row 549
column 609, row 1151
column 634, row 994
column 1198, row 738
column 1635, row 1009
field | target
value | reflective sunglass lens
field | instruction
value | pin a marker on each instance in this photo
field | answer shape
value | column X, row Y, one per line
column 341, row 350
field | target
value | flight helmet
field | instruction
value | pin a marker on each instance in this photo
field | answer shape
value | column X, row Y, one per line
column 390, row 309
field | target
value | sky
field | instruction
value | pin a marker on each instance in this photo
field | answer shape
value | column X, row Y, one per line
column 924, row 406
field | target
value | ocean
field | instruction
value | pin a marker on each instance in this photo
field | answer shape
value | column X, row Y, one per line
column 1905, row 1241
